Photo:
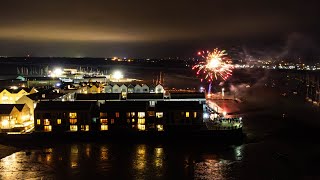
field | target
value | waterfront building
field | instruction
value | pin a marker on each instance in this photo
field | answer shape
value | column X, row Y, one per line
column 10, row 96
column 15, row 118
column 71, row 116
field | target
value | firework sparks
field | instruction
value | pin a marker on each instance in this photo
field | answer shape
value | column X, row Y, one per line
column 216, row 65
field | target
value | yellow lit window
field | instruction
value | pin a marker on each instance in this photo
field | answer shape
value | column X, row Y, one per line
column 133, row 120
column 160, row 127
column 141, row 121
column 73, row 128
column 38, row 121
column 102, row 114
column 73, row 115
column 133, row 114
column 151, row 113
column 117, row 114
column 46, row 122
column 104, row 121
column 73, row 121
column 112, row 121
column 47, row 128
column 58, row 121
column 128, row 114
column 141, row 114
column 159, row 114
column 104, row 127
column 194, row 114
column 84, row 127
column 187, row 114
column 141, row 127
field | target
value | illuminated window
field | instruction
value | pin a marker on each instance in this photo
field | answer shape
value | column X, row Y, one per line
column 128, row 114
column 104, row 127
column 187, row 114
column 160, row 127
column 104, row 121
column 141, row 121
column 141, row 127
column 38, row 121
column 46, row 122
column 133, row 120
column 84, row 127
column 73, row 121
column 73, row 128
column 151, row 113
column 112, row 121
column 48, row 128
column 117, row 114
column 159, row 114
column 58, row 121
column 73, row 115
column 133, row 114
column 102, row 114
column 194, row 114
column 128, row 121
column 141, row 114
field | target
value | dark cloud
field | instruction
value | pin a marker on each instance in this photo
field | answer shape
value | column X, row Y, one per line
column 134, row 24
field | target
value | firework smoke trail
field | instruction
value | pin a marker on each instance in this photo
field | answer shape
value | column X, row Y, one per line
column 215, row 66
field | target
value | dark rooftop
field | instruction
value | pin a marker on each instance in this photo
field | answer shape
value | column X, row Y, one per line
column 187, row 95
column 64, row 106
column 124, row 106
column 145, row 96
column 38, row 96
column 98, row 96
column 178, row 105
column 7, row 108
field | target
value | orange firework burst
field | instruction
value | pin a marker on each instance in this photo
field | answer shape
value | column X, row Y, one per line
column 216, row 65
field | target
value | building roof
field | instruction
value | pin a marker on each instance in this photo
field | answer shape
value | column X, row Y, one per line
column 19, row 106
column 98, row 96
column 188, row 95
column 16, row 90
column 6, row 108
column 144, row 96
column 64, row 106
column 178, row 105
column 124, row 106
column 38, row 96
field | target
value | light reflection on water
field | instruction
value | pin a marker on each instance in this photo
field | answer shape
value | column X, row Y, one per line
column 134, row 161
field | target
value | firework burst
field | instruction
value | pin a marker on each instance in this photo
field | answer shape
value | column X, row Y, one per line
column 216, row 65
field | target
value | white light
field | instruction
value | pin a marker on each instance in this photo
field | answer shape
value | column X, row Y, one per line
column 240, row 118
column 5, row 123
column 205, row 115
column 224, row 113
column 13, row 87
column 57, row 72
column 117, row 75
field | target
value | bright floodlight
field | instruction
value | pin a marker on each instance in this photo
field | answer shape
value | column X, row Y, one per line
column 57, row 72
column 117, row 75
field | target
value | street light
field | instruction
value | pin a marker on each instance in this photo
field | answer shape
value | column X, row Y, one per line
column 117, row 75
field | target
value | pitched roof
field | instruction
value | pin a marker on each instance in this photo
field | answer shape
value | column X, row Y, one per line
column 19, row 106
column 124, row 106
column 16, row 90
column 6, row 108
column 38, row 96
column 64, row 106
column 98, row 96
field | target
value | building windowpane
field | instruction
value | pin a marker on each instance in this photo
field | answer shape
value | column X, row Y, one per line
column 84, row 127
column 102, row 114
column 187, row 114
column 58, row 121
column 104, row 121
column 133, row 114
column 38, row 121
column 48, row 128
column 73, row 121
column 128, row 114
column 46, row 122
column 159, row 114
column 117, row 114
column 73, row 128
column 112, row 121
column 73, row 115
column 141, row 127
column 104, row 127
column 141, row 114
column 194, row 114
column 141, row 121
column 151, row 113
column 160, row 127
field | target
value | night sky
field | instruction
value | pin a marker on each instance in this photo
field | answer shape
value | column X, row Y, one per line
column 145, row 28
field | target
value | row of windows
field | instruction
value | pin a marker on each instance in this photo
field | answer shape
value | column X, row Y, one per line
column 150, row 114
